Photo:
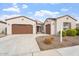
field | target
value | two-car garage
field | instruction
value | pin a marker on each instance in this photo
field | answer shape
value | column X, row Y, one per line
column 21, row 25
column 22, row 29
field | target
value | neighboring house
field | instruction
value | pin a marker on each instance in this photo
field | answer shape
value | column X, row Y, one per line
column 53, row 25
column 21, row 25
column 77, row 24
column 2, row 27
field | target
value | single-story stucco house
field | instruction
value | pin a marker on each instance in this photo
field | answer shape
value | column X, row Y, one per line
column 3, row 27
column 25, row 25
column 53, row 25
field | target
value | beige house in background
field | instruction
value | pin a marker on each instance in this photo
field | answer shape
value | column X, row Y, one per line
column 3, row 27
column 77, row 24
column 53, row 25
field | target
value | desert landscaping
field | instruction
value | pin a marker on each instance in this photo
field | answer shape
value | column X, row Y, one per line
column 54, row 43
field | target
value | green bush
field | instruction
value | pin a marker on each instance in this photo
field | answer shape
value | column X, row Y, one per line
column 71, row 32
column 77, row 29
column 63, row 33
column 2, row 32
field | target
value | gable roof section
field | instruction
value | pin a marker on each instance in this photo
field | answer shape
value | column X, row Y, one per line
column 50, row 19
column 3, row 22
column 19, row 17
column 68, row 16
column 60, row 17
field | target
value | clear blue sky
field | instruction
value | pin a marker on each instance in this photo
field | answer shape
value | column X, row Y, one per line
column 38, row 11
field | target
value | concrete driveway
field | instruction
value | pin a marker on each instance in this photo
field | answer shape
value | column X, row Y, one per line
column 18, row 45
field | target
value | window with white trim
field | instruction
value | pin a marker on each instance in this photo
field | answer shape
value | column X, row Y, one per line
column 66, row 25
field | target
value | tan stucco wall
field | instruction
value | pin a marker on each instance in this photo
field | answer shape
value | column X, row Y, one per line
column 21, row 20
column 64, row 19
column 2, row 27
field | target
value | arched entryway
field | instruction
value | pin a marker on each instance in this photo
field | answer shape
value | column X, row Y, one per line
column 48, row 29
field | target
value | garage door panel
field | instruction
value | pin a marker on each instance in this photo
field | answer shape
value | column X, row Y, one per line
column 22, row 29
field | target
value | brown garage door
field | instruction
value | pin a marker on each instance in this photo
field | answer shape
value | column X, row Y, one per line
column 22, row 29
column 48, row 29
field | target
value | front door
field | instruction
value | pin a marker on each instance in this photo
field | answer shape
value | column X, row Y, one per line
column 38, row 29
column 48, row 29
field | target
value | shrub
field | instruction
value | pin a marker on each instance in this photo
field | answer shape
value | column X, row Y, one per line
column 71, row 32
column 48, row 41
column 77, row 29
column 50, row 37
column 63, row 33
column 2, row 32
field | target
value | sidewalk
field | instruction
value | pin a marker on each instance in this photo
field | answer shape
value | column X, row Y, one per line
column 68, row 51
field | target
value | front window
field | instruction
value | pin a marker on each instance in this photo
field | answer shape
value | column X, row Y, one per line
column 66, row 25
